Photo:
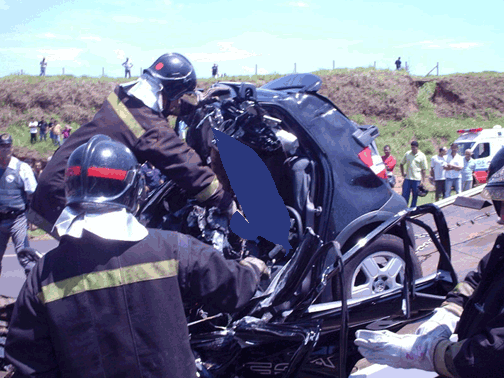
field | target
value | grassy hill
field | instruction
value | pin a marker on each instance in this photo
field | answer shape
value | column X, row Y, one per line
column 404, row 107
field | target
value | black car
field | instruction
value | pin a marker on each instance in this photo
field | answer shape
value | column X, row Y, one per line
column 327, row 171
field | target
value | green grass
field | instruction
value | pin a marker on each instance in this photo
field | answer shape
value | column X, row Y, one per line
column 38, row 233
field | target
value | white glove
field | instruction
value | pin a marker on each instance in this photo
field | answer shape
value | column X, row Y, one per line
column 400, row 351
column 441, row 317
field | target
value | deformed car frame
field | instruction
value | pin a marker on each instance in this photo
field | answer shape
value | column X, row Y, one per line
column 310, row 339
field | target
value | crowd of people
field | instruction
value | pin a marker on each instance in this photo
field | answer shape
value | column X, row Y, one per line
column 57, row 134
column 448, row 171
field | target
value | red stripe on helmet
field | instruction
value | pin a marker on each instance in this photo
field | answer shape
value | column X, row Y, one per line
column 115, row 174
column 159, row 66
column 73, row 171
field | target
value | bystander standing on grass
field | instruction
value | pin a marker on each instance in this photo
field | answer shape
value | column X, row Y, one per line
column 454, row 164
column 42, row 125
column 51, row 127
column 468, row 171
column 33, row 125
column 438, row 173
column 66, row 132
column 416, row 165
column 57, row 134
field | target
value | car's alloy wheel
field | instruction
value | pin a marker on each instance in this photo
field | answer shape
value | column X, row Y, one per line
column 379, row 272
column 379, row 267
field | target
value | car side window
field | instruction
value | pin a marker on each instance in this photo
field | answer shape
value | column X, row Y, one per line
column 482, row 150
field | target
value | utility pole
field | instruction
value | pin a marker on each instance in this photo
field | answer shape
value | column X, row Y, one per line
column 375, row 64
column 63, row 70
column 256, row 69
column 294, row 67
column 437, row 68
column 103, row 71
column 333, row 65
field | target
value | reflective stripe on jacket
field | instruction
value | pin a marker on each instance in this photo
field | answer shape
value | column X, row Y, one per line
column 94, row 307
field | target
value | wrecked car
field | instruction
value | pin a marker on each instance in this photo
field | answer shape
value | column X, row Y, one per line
column 352, row 263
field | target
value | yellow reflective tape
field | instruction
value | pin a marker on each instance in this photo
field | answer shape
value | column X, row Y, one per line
column 125, row 115
column 208, row 191
column 107, row 279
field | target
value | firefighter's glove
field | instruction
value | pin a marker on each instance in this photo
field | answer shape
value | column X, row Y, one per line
column 212, row 94
column 258, row 265
column 442, row 317
column 400, row 351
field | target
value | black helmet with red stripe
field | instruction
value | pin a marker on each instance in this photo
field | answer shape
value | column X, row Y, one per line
column 175, row 73
column 103, row 174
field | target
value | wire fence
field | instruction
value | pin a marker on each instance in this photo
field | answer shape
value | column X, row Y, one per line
column 256, row 70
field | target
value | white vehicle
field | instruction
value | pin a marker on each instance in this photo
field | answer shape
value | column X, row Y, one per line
column 484, row 144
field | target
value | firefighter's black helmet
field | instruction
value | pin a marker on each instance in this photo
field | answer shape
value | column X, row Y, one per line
column 6, row 139
column 175, row 73
column 103, row 174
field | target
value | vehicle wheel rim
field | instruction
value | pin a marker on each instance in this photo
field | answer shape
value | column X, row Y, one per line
column 377, row 273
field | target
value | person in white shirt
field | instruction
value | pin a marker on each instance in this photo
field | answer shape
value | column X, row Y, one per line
column 454, row 164
column 33, row 125
column 438, row 173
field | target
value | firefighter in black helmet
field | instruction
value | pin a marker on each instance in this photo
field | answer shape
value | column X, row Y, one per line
column 109, row 300
column 135, row 115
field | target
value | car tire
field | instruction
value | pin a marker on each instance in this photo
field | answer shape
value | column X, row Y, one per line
column 377, row 268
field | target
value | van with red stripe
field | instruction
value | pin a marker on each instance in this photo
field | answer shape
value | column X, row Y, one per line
column 484, row 144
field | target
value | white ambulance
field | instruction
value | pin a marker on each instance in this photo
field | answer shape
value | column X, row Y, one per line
column 484, row 144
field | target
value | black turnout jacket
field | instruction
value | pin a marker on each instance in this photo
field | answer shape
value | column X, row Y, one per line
column 101, row 308
column 147, row 134
column 480, row 300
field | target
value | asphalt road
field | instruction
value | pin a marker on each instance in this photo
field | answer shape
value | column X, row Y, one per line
column 13, row 276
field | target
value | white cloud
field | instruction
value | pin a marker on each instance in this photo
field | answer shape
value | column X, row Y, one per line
column 3, row 5
column 226, row 52
column 127, row 19
column 464, row 45
column 120, row 54
column 251, row 71
column 157, row 21
column 54, row 36
column 53, row 55
column 91, row 38
column 298, row 4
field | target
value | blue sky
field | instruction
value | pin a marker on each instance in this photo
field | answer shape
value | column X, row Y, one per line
column 83, row 36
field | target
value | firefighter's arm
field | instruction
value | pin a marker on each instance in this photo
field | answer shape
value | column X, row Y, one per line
column 207, row 277
column 478, row 356
column 28, row 346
